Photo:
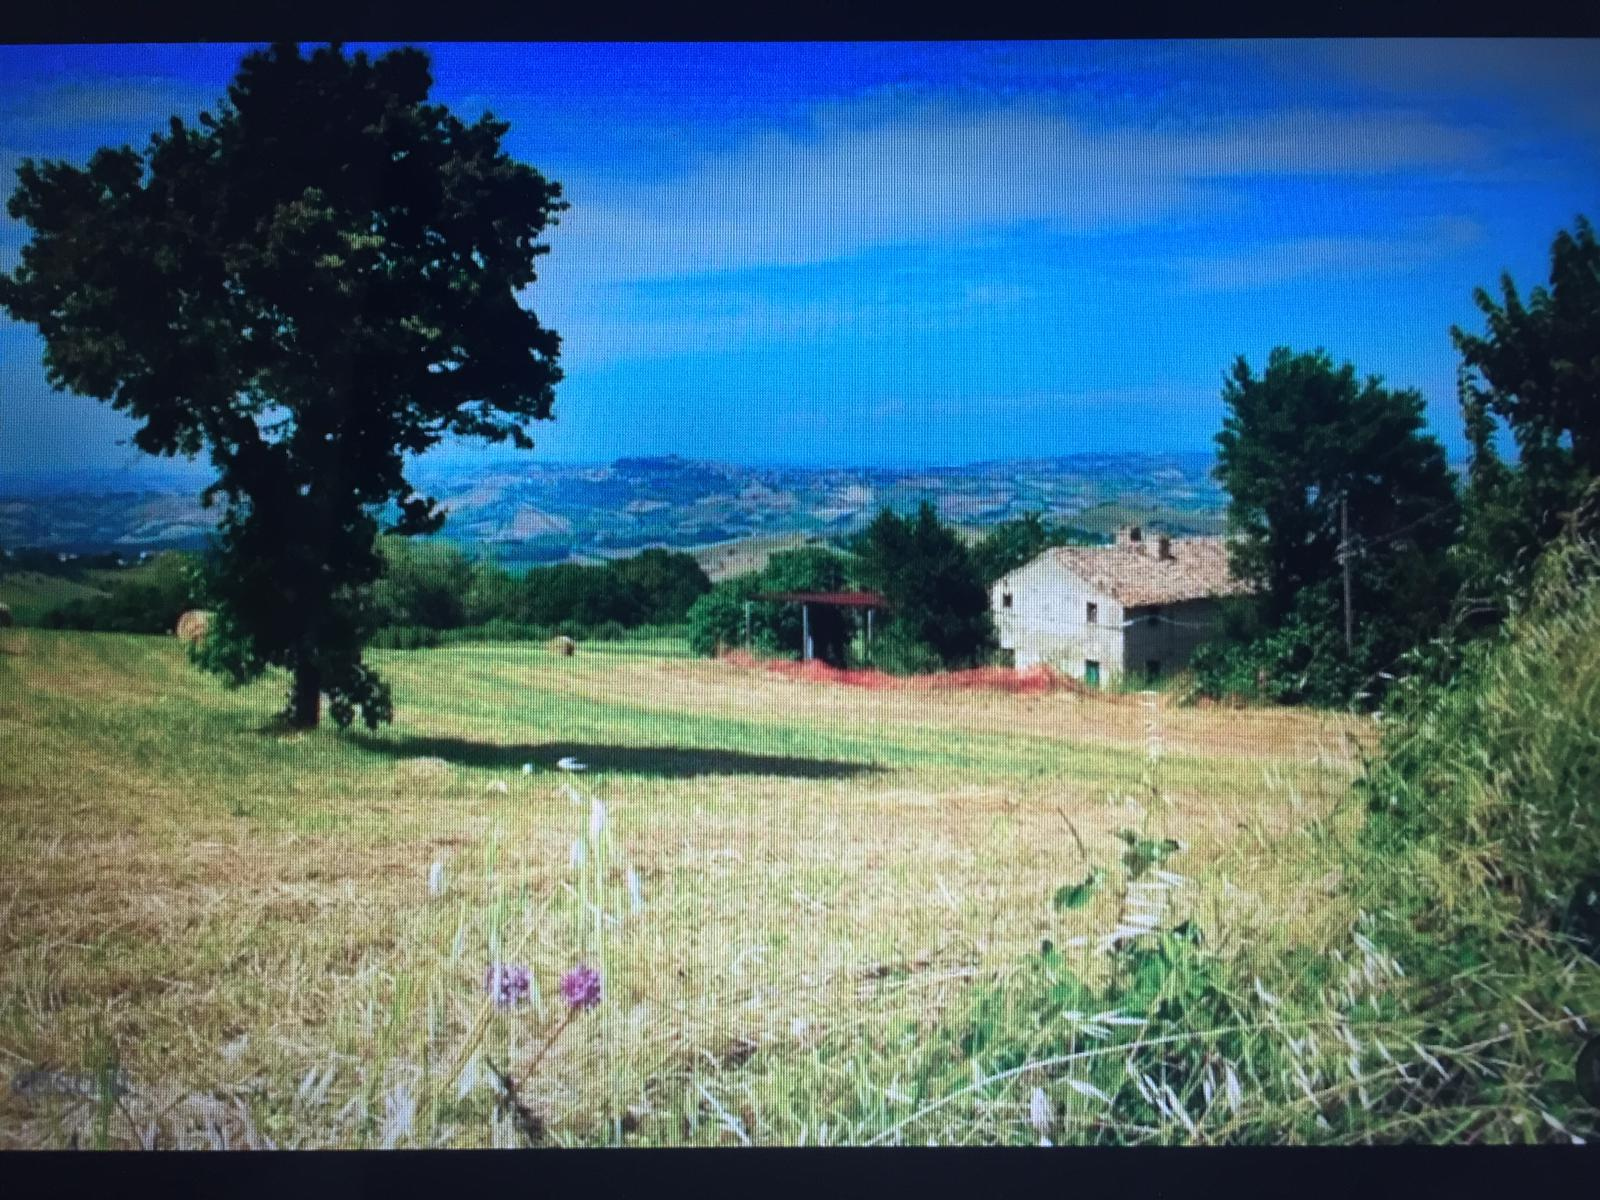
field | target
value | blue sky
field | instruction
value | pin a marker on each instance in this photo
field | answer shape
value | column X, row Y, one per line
column 876, row 254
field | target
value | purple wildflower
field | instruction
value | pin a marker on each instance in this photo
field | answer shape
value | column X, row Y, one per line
column 580, row 987
column 507, row 984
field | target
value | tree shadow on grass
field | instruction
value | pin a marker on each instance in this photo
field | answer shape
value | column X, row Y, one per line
column 660, row 762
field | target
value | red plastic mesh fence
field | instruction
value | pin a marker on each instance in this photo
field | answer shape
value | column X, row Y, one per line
column 1029, row 681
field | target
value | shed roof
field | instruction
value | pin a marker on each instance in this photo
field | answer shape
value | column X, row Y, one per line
column 841, row 599
column 1137, row 576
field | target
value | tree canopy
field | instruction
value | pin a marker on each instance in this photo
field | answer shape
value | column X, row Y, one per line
column 1013, row 544
column 1535, row 373
column 1307, row 444
column 316, row 282
column 937, row 598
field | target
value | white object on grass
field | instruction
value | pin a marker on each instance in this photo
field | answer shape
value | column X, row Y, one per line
column 571, row 764
column 436, row 879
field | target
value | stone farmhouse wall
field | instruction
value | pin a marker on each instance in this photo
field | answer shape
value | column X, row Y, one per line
column 1047, row 620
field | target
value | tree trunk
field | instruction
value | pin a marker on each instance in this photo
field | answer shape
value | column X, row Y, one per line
column 305, row 700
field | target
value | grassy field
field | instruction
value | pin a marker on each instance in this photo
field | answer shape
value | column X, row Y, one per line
column 240, row 919
column 31, row 594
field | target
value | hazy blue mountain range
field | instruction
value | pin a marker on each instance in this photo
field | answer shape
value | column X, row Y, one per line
column 527, row 511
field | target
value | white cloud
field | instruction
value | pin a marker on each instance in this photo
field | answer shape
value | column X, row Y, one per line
column 1270, row 263
column 931, row 172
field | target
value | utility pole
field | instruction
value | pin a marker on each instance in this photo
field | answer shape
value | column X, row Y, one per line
column 747, row 627
column 1344, row 560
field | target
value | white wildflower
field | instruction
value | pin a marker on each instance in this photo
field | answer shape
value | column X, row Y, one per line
column 577, row 856
column 1041, row 1112
column 527, row 768
column 597, row 818
column 635, row 895
column 1266, row 997
column 799, row 1027
column 436, row 878
column 498, row 787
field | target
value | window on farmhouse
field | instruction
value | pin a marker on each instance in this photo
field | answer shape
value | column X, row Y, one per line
column 1092, row 613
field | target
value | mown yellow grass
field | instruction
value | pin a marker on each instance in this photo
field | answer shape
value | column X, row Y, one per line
column 231, row 908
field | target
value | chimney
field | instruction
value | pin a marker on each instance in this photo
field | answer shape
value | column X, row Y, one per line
column 1130, row 535
column 1164, row 548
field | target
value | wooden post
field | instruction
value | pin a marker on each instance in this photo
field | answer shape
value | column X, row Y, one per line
column 805, row 631
column 1344, row 559
column 747, row 605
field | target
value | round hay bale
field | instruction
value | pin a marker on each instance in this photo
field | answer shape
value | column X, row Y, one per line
column 5, row 616
column 564, row 646
column 193, row 626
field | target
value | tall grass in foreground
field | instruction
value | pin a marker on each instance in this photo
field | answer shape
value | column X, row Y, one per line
column 1455, row 1011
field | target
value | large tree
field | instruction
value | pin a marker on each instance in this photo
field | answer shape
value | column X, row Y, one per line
column 1534, row 371
column 1013, row 544
column 317, row 281
column 937, row 598
column 1308, row 450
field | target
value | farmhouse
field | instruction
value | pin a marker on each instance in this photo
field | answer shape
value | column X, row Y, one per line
column 1141, row 605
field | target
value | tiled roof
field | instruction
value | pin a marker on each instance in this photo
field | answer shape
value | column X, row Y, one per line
column 1135, row 575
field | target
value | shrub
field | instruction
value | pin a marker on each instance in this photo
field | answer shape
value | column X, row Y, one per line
column 405, row 637
column 498, row 630
column 150, row 600
column 899, row 652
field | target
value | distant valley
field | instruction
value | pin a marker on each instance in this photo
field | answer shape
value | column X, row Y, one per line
column 527, row 512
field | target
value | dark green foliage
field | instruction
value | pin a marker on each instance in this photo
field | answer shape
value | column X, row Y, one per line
column 936, row 595
column 1013, row 544
column 149, row 602
column 1534, row 372
column 318, row 281
column 662, row 584
column 1297, row 441
column 424, row 583
column 899, row 651
column 717, row 618
column 406, row 637
column 1300, row 661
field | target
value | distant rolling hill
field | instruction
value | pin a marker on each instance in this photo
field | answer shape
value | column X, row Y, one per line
column 730, row 516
